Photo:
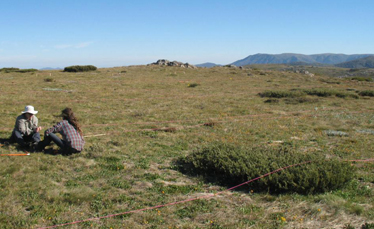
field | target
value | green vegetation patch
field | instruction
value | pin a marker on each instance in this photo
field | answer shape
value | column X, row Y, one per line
column 281, row 94
column 231, row 164
column 80, row 68
column 358, row 78
column 296, row 93
column 367, row 93
column 8, row 70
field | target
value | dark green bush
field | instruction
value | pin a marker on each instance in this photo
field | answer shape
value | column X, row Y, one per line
column 281, row 94
column 367, row 226
column 272, row 100
column 365, row 79
column 27, row 70
column 231, row 165
column 321, row 92
column 80, row 68
column 300, row 100
column 7, row 70
column 366, row 93
column 193, row 85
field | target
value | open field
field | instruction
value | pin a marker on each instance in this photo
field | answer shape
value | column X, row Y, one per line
column 138, row 120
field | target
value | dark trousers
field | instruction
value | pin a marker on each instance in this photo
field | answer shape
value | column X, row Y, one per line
column 22, row 140
column 51, row 137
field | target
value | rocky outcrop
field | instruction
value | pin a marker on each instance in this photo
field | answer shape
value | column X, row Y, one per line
column 163, row 62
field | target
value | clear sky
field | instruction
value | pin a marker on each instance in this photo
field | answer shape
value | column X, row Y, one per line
column 107, row 33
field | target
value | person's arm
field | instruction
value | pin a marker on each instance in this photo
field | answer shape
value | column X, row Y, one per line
column 55, row 129
column 21, row 126
column 34, row 124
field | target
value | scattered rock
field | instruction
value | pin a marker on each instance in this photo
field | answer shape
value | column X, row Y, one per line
column 365, row 131
column 163, row 62
column 335, row 133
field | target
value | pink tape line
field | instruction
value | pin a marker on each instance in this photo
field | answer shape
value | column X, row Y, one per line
column 192, row 199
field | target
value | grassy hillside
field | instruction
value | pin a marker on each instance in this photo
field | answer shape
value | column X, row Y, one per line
column 139, row 120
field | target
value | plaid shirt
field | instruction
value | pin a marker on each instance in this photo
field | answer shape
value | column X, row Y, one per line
column 69, row 134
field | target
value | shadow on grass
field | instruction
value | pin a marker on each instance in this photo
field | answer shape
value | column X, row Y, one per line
column 4, row 141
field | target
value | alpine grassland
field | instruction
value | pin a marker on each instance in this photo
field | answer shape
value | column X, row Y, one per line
column 166, row 145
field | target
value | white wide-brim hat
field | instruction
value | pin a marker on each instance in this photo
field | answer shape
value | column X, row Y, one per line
column 29, row 109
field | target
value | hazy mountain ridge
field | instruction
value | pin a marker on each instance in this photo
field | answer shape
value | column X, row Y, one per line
column 366, row 62
column 207, row 65
column 286, row 58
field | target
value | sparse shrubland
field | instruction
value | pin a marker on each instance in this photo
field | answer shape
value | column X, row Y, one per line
column 137, row 124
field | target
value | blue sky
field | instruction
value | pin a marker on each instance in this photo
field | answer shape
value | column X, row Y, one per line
column 51, row 33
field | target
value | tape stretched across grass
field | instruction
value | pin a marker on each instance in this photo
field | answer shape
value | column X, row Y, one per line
column 15, row 154
column 192, row 199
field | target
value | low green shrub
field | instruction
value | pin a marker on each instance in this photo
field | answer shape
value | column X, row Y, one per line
column 296, row 93
column 231, row 165
column 49, row 80
column 7, row 70
column 366, row 93
column 346, row 95
column 367, row 226
column 300, row 100
column 365, row 79
column 193, row 85
column 27, row 70
column 322, row 92
column 281, row 94
column 272, row 100
column 80, row 68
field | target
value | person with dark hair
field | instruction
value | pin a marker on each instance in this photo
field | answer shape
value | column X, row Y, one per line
column 72, row 137
column 26, row 129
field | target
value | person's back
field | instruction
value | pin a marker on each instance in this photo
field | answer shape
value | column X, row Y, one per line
column 72, row 137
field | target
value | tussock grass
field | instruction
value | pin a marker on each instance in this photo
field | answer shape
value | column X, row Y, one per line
column 131, row 166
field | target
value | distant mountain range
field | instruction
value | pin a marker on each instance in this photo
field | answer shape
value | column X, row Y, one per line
column 292, row 58
column 207, row 65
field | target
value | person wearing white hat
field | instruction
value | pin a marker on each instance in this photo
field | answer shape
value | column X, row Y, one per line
column 26, row 129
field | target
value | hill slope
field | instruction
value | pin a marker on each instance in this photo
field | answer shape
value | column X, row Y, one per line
column 286, row 58
column 366, row 62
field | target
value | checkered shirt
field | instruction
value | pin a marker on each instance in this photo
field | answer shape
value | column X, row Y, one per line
column 69, row 134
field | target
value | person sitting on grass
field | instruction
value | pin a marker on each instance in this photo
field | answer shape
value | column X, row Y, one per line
column 26, row 130
column 72, row 137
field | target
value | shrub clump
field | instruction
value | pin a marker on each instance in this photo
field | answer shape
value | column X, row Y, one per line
column 367, row 93
column 281, row 94
column 193, row 85
column 296, row 93
column 321, row 92
column 80, row 68
column 8, row 70
column 231, row 165
column 364, row 79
